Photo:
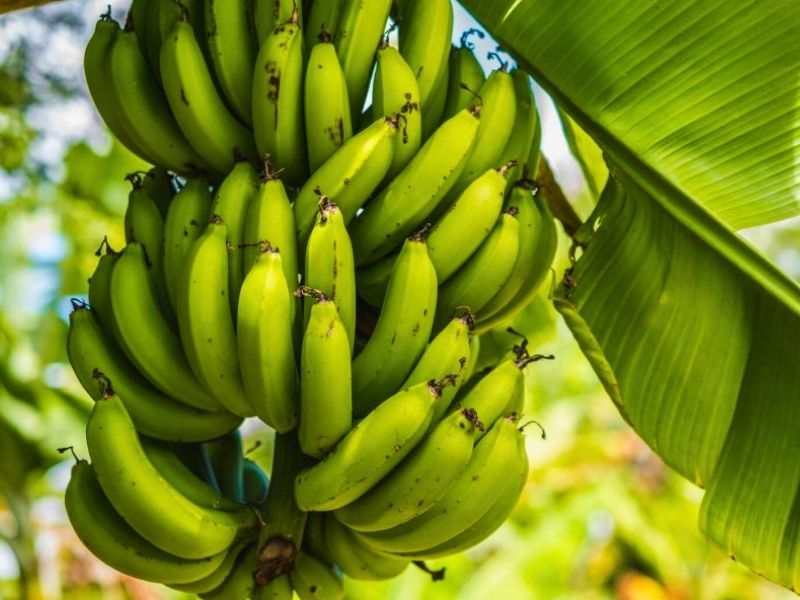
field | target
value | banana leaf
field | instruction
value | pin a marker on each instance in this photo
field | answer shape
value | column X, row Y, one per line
column 695, row 336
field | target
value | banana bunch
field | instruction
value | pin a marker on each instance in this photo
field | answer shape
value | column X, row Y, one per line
column 318, row 263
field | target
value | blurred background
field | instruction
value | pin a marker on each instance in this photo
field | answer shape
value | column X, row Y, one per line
column 601, row 517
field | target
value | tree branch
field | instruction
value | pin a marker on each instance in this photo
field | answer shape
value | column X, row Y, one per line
column 7, row 6
column 556, row 200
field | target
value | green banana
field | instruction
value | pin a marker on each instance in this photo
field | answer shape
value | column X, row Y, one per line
column 278, row 124
column 96, row 71
column 396, row 91
column 100, row 290
column 144, row 224
column 420, row 480
column 425, row 42
column 491, row 520
column 349, row 176
column 163, row 16
column 402, row 331
column 217, row 577
column 268, row 15
column 473, row 493
column 327, row 107
column 446, row 355
column 239, row 584
column 467, row 222
column 330, row 266
column 434, row 110
column 370, row 451
column 200, row 112
column 145, row 335
column 323, row 14
column 270, row 219
column 277, row 589
column 537, row 247
column 359, row 32
column 498, row 114
column 232, row 49
column 160, row 186
column 265, row 342
column 312, row 579
column 205, row 320
column 354, row 558
column 231, row 204
column 314, row 537
column 182, row 479
column 227, row 463
column 484, row 274
column 280, row 537
column 372, row 280
column 144, row 111
column 90, row 351
column 326, row 403
column 187, row 213
column 416, row 191
column 137, row 17
column 112, row 540
column 256, row 483
column 523, row 133
column 153, row 507
column 465, row 75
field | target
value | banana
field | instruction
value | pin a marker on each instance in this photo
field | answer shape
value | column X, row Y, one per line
column 182, row 479
column 359, row 32
column 99, row 289
column 537, row 246
column 326, row 403
column 425, row 42
column 312, row 579
column 200, row 112
column 144, row 111
column 484, row 274
column 270, row 219
column 144, row 224
column 478, row 487
column 370, row 451
column 371, row 281
column 256, row 483
column 265, row 342
column 278, row 124
column 323, row 14
column 402, row 331
column 434, row 110
column 96, row 71
column 465, row 75
column 145, row 335
column 467, row 222
column 231, row 204
column 205, row 320
column 217, row 577
column 163, row 16
column 138, row 17
column 239, row 584
column 279, row 539
column 523, row 133
column 277, row 589
column 314, row 537
column 160, row 186
column 232, row 48
column 491, row 520
column 354, row 558
column 90, row 350
column 446, row 355
column 268, row 15
column 327, row 107
column 104, row 532
column 498, row 114
column 349, row 176
column 330, row 267
column 420, row 480
column 416, row 191
column 396, row 91
column 153, row 507
column 187, row 213
column 227, row 463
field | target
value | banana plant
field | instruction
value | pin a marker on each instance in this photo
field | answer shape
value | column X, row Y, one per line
column 694, row 334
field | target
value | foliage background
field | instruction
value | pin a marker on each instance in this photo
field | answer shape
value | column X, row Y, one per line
column 601, row 518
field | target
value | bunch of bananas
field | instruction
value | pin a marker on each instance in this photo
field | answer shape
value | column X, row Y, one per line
column 323, row 267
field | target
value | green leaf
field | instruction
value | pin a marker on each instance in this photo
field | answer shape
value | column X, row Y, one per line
column 697, row 96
